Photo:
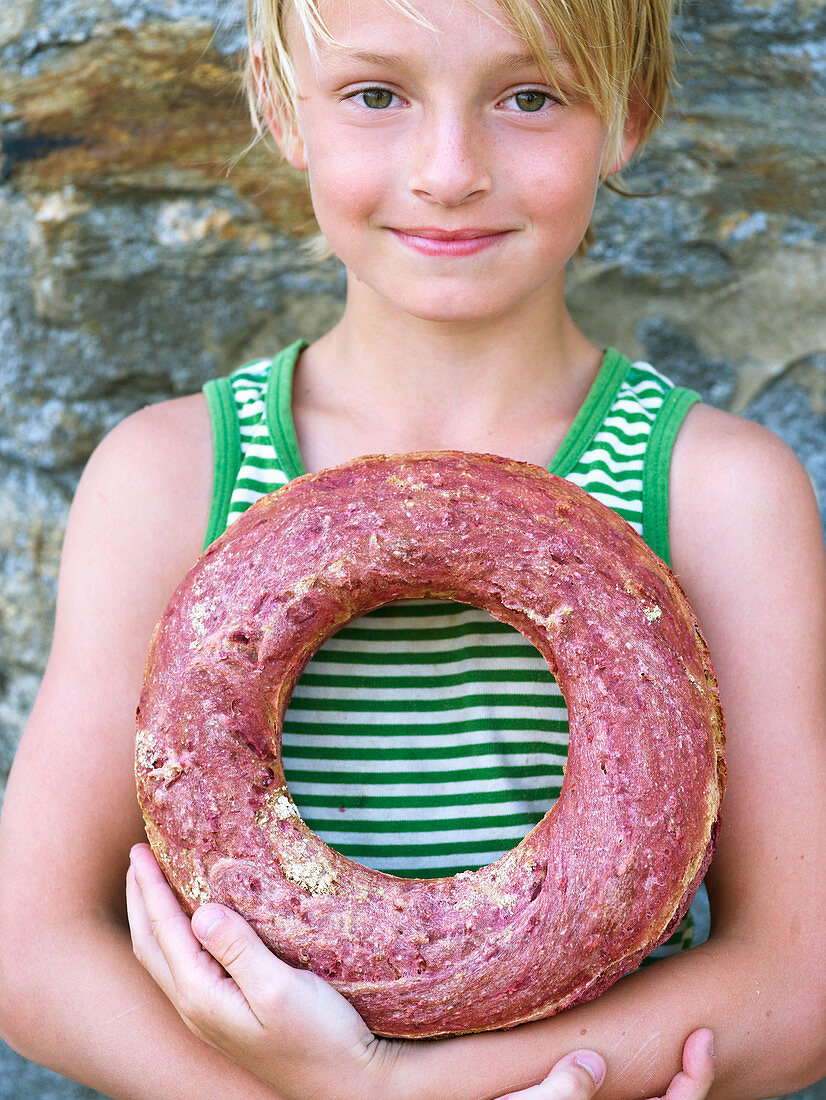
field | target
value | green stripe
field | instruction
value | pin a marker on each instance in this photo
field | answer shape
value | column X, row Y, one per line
column 657, row 470
column 347, row 825
column 621, row 444
column 428, row 801
column 600, row 466
column 226, row 456
column 279, row 410
column 490, row 722
column 256, row 487
column 381, row 752
column 418, row 683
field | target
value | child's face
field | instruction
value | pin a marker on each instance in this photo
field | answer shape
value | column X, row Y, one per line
column 409, row 135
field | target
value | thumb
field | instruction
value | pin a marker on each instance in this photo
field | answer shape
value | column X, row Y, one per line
column 233, row 943
column 577, row 1076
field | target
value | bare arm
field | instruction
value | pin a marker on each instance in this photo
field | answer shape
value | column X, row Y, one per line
column 74, row 997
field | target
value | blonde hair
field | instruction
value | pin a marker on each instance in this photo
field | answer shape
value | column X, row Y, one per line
column 620, row 51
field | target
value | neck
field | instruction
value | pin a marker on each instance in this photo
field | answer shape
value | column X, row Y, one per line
column 407, row 383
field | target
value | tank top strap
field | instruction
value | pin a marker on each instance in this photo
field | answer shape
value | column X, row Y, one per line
column 657, row 469
column 254, row 446
column 619, row 446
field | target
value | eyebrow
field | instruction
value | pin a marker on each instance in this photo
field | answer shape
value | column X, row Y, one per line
column 508, row 61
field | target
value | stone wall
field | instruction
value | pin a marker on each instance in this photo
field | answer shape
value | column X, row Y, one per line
column 141, row 253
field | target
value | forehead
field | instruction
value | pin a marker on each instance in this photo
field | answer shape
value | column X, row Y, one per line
column 383, row 31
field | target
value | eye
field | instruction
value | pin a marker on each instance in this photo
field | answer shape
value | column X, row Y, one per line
column 530, row 100
column 377, row 99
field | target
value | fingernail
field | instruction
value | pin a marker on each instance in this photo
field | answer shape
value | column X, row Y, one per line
column 593, row 1064
column 205, row 920
column 711, row 1045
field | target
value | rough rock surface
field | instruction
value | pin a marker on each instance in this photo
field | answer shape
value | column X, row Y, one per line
column 134, row 264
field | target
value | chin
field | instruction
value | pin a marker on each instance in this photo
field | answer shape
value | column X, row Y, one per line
column 463, row 306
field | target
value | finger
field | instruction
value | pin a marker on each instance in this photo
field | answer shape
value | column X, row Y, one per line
column 165, row 943
column 144, row 944
column 260, row 975
column 698, row 1068
column 577, row 1076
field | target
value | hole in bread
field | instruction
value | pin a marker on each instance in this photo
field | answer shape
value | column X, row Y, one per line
column 400, row 757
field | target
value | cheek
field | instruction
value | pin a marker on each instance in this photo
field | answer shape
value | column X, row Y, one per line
column 563, row 189
column 345, row 184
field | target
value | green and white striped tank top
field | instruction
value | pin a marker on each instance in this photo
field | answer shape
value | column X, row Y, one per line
column 427, row 738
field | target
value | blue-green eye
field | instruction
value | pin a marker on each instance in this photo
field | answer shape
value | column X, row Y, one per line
column 376, row 98
column 531, row 100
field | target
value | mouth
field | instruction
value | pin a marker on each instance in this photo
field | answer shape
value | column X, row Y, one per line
column 433, row 241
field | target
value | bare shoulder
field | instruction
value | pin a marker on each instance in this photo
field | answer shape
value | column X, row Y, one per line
column 738, row 491
column 146, row 489
column 136, row 526
column 164, row 448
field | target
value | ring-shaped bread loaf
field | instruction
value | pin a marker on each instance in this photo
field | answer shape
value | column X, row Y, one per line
column 595, row 886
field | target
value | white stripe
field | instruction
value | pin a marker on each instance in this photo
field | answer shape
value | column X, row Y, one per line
column 445, row 693
column 246, row 496
column 423, row 767
column 253, row 373
column 422, row 739
column 476, row 788
column 257, row 430
column 601, row 454
column 248, row 398
column 263, row 487
column 632, row 485
column 264, row 451
column 633, row 449
column 325, row 663
column 434, row 862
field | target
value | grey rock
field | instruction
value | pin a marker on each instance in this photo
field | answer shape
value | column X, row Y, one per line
column 22, row 1080
column 128, row 302
column 793, row 408
column 18, row 688
column 38, row 29
column 34, row 511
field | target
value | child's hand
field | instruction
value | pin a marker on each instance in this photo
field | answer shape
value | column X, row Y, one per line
column 287, row 1026
column 291, row 1028
column 578, row 1075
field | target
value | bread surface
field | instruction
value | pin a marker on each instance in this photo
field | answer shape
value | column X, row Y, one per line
column 593, row 888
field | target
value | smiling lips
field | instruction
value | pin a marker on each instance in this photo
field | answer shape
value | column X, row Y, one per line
column 443, row 242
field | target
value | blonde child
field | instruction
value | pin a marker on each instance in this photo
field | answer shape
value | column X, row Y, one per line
column 454, row 152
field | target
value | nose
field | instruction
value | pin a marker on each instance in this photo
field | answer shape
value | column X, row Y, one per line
column 450, row 158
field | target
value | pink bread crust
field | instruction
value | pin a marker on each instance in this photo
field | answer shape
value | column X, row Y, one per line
column 592, row 889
